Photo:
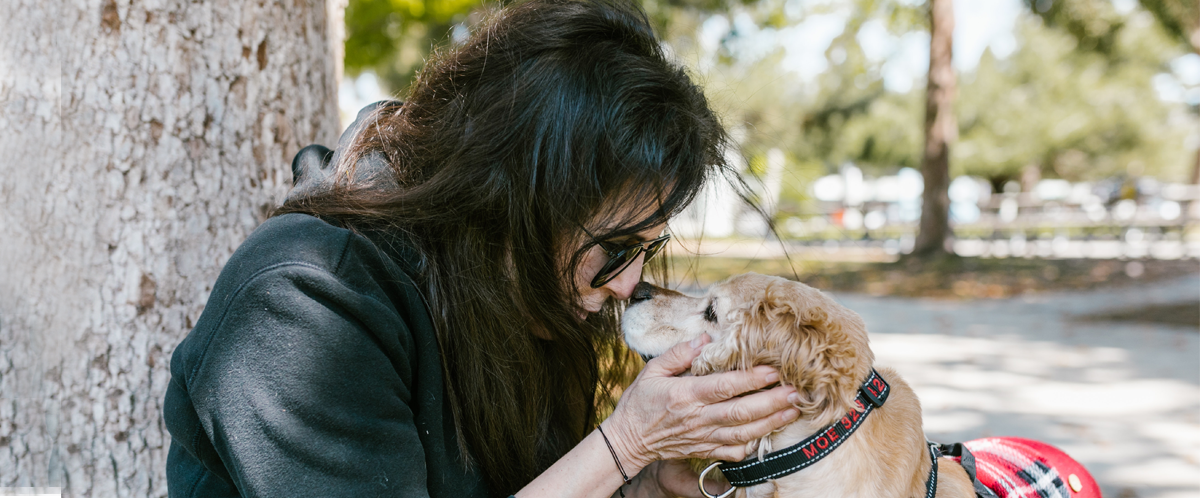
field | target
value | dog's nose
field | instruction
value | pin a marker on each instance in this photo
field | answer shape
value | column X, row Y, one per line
column 642, row 292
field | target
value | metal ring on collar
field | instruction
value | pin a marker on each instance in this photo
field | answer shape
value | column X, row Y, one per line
column 705, row 491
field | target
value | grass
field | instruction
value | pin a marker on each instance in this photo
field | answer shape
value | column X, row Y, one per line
column 949, row 278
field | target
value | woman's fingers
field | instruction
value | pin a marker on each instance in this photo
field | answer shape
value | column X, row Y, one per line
column 731, row 453
column 739, row 435
column 716, row 388
column 750, row 408
column 678, row 359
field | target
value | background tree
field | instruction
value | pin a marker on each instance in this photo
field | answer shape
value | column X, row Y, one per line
column 141, row 143
column 941, row 129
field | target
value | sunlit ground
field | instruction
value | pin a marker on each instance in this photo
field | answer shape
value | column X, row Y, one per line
column 1122, row 398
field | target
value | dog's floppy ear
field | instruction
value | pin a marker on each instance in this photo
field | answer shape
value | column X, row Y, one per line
column 819, row 347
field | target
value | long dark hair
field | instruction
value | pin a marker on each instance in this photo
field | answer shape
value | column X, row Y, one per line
column 554, row 115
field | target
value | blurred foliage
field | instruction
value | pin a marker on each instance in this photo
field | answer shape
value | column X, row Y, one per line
column 1078, row 115
column 1180, row 18
column 1095, row 23
column 1097, row 27
column 845, row 115
column 393, row 37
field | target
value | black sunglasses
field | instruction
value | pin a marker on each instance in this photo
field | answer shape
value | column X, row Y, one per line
column 620, row 257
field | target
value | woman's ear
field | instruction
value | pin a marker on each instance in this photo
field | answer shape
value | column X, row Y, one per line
column 797, row 331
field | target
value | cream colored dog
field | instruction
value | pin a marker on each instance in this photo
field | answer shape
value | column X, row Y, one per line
column 821, row 349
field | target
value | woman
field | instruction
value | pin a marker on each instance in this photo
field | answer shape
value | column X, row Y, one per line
column 439, row 317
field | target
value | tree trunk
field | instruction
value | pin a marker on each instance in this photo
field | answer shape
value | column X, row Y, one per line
column 140, row 142
column 941, row 129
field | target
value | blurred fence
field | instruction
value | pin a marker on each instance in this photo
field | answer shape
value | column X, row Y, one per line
column 859, row 218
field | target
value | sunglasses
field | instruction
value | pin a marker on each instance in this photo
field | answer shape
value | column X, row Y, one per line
column 620, row 257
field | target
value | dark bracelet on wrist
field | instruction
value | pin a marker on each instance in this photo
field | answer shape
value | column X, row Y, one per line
column 615, row 459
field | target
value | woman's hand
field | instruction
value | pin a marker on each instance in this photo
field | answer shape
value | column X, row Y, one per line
column 664, row 417
column 661, row 418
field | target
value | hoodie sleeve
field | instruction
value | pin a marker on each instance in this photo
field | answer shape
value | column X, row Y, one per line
column 297, row 382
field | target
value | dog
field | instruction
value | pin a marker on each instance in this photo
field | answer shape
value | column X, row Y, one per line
column 820, row 348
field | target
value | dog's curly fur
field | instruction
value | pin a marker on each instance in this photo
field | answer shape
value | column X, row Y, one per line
column 821, row 349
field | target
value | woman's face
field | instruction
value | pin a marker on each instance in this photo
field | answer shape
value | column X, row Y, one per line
column 620, row 287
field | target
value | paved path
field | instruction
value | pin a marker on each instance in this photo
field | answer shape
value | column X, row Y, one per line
column 1122, row 398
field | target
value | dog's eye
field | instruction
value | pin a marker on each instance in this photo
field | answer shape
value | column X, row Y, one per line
column 710, row 314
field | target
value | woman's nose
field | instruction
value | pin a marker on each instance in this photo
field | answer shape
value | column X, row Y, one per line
column 622, row 286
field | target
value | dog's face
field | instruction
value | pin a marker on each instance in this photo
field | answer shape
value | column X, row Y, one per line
column 818, row 346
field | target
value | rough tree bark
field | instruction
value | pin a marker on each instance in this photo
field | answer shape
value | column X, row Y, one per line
column 941, row 129
column 140, row 142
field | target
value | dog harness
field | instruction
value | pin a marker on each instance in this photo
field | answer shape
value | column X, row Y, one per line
column 1012, row 467
column 871, row 394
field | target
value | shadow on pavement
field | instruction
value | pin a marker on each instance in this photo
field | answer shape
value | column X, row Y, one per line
column 1181, row 314
column 1121, row 395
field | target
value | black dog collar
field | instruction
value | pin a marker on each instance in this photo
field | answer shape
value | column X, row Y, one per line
column 871, row 394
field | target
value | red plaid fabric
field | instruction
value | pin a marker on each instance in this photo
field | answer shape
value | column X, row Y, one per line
column 1021, row 468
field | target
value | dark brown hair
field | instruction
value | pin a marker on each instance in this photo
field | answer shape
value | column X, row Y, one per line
column 554, row 115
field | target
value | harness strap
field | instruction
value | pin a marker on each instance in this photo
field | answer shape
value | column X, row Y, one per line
column 967, row 460
column 931, row 481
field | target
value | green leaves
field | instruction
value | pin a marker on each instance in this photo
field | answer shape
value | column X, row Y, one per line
column 1078, row 115
column 393, row 37
column 1093, row 23
column 1179, row 18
